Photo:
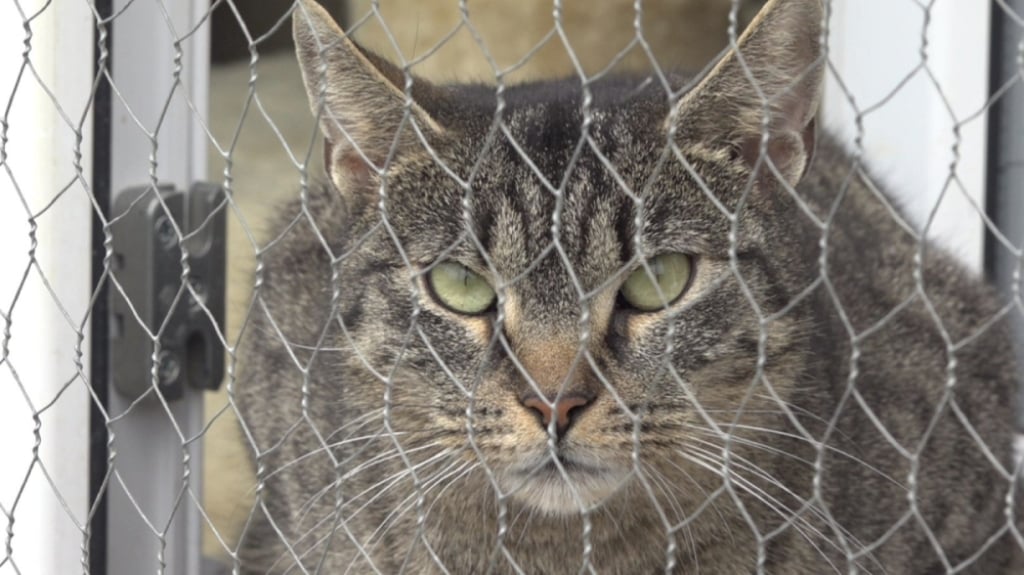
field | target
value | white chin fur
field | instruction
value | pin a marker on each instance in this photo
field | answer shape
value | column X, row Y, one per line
column 551, row 493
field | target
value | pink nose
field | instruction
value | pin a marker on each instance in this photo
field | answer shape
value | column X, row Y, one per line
column 565, row 410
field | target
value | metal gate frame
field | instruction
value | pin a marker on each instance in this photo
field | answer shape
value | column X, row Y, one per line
column 160, row 71
column 1005, row 199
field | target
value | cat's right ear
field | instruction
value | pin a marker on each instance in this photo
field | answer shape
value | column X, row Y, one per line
column 771, row 83
column 364, row 115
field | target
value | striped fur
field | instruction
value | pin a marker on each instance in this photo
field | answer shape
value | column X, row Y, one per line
column 760, row 422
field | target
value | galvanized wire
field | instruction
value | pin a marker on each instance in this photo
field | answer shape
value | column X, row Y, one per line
column 298, row 555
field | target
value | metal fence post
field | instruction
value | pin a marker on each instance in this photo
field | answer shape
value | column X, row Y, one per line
column 1006, row 160
column 160, row 78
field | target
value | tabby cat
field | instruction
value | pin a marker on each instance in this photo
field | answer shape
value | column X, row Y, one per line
column 636, row 326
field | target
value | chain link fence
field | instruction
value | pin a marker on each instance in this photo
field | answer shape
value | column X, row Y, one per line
column 650, row 318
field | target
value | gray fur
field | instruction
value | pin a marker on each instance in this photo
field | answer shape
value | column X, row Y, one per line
column 399, row 380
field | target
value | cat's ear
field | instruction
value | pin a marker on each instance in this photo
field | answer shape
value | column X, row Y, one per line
column 777, row 68
column 356, row 97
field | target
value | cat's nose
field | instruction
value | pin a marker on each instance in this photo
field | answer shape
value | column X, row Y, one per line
column 565, row 411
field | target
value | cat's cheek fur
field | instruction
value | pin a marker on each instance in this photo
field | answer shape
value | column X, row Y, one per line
column 476, row 330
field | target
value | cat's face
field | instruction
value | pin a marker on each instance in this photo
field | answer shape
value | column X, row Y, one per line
column 574, row 313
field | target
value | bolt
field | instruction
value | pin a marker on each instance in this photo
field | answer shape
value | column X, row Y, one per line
column 168, row 368
column 165, row 233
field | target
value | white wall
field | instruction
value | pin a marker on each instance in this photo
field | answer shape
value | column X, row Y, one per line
column 40, row 373
column 909, row 139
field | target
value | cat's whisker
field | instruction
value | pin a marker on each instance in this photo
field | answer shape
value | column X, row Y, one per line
column 766, row 447
column 360, row 422
column 795, row 409
column 789, row 515
column 288, row 555
column 316, row 526
column 451, row 481
column 439, row 458
column 449, row 477
column 799, row 524
column 377, row 460
column 307, row 507
column 283, row 467
column 735, row 466
column 525, row 529
column 611, row 518
column 745, row 464
column 335, row 516
column 664, row 486
column 745, row 441
column 707, row 495
column 799, row 437
column 739, row 463
column 352, row 427
column 526, row 509
column 382, row 486
column 387, row 456
column 323, row 348
column 658, row 479
column 446, row 476
column 322, row 448
column 391, row 481
column 411, row 500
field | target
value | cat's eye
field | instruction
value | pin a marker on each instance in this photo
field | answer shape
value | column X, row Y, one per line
column 671, row 274
column 461, row 289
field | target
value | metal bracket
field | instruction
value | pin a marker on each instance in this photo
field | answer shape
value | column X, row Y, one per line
column 148, row 266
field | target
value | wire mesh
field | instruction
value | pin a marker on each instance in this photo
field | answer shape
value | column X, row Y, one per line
column 390, row 432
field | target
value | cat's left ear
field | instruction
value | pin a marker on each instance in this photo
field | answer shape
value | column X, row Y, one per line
column 364, row 114
column 778, row 69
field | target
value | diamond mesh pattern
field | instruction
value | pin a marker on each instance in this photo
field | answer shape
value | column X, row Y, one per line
column 259, row 118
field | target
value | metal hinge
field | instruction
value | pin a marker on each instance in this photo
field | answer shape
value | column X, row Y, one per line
column 148, row 265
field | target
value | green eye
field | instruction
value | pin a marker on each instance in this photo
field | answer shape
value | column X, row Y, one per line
column 460, row 289
column 671, row 272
